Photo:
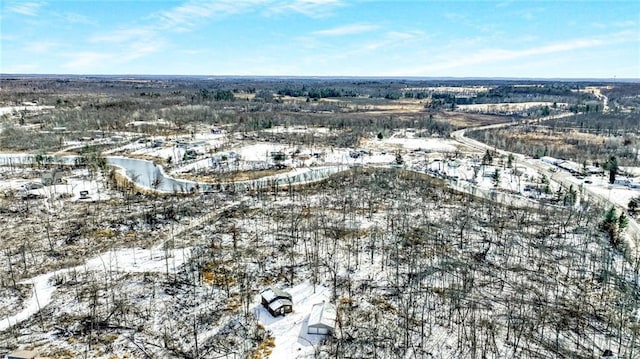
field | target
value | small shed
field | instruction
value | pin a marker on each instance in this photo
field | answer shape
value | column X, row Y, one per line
column 322, row 319
column 277, row 301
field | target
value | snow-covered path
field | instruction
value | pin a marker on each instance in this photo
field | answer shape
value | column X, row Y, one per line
column 121, row 260
column 40, row 296
column 136, row 259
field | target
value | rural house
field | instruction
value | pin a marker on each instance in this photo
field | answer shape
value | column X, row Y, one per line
column 277, row 302
column 322, row 319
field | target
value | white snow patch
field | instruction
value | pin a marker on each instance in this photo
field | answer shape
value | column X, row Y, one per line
column 123, row 260
column 10, row 109
column 427, row 144
column 290, row 331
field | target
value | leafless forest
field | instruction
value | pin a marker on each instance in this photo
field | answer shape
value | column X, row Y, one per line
column 417, row 263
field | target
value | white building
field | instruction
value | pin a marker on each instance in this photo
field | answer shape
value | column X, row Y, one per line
column 322, row 319
column 549, row 160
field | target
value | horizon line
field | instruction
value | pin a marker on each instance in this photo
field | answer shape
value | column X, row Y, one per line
column 330, row 77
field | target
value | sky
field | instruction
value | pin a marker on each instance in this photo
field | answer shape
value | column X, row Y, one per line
column 523, row 39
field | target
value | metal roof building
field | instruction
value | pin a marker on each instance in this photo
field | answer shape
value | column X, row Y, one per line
column 277, row 302
column 322, row 319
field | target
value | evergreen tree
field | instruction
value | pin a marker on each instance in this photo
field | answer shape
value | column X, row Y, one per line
column 487, row 159
column 496, row 178
column 614, row 225
column 612, row 166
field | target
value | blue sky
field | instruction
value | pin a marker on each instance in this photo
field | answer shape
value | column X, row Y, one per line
column 549, row 39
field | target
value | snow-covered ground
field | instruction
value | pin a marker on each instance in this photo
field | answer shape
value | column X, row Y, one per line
column 426, row 144
column 435, row 156
column 69, row 190
column 506, row 107
column 424, row 154
column 123, row 260
column 290, row 331
column 31, row 108
column 619, row 194
column 72, row 189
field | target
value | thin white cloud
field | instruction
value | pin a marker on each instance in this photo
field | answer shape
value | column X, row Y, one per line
column 21, row 69
column 146, row 37
column 74, row 18
column 182, row 18
column 454, row 16
column 41, row 47
column 88, row 60
column 350, row 29
column 194, row 52
column 618, row 24
column 389, row 40
column 83, row 61
column 497, row 55
column 25, row 8
column 124, row 35
column 8, row 37
column 140, row 49
column 380, row 46
column 185, row 17
column 405, row 35
column 504, row 4
column 310, row 8
column 627, row 23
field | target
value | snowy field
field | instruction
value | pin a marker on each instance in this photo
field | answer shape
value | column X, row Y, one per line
column 506, row 107
column 17, row 109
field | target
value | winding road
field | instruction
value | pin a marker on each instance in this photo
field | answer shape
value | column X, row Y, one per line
column 562, row 177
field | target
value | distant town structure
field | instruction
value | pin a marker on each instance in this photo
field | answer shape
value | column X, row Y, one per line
column 322, row 319
column 573, row 167
column 277, row 302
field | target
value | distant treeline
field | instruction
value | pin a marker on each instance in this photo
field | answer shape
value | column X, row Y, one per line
column 27, row 88
column 602, row 135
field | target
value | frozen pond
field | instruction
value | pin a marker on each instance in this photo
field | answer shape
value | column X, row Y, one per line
column 148, row 175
